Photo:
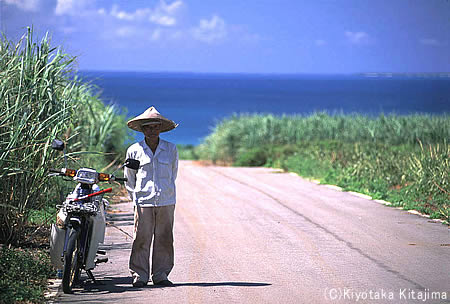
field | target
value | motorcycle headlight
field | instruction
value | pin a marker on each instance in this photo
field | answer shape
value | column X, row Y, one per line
column 87, row 176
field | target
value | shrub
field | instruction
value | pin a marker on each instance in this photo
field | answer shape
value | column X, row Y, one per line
column 24, row 275
column 252, row 157
column 187, row 152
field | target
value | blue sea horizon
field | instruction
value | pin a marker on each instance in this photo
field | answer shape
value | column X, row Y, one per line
column 198, row 101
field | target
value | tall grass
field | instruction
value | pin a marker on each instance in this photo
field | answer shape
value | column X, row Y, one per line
column 39, row 101
column 97, row 128
column 35, row 105
column 241, row 132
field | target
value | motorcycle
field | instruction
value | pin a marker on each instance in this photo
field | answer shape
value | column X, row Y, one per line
column 80, row 224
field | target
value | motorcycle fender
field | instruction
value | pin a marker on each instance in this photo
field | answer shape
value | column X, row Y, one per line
column 75, row 221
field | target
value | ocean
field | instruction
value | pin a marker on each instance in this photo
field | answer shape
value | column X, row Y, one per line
column 199, row 101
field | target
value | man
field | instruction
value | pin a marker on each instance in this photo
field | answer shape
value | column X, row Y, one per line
column 152, row 189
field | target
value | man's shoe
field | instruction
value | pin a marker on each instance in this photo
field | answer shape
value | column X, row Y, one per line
column 163, row 283
column 139, row 284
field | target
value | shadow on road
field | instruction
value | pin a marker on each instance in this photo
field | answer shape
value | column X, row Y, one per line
column 236, row 284
column 123, row 219
column 123, row 284
column 109, row 285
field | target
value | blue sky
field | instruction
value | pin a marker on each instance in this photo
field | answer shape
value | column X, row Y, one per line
column 242, row 36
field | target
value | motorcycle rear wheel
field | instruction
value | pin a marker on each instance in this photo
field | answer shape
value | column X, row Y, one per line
column 72, row 267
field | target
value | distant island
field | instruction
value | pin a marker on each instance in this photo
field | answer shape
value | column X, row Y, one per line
column 409, row 75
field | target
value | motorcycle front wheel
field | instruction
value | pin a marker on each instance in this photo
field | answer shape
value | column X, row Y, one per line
column 72, row 267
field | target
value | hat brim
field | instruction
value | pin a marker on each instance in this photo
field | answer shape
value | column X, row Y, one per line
column 166, row 124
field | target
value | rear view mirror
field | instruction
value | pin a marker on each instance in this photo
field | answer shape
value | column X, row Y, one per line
column 58, row 145
column 132, row 164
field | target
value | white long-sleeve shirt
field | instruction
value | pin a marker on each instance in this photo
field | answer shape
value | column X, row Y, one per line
column 153, row 184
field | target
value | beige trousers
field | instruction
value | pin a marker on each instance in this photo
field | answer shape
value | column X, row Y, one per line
column 152, row 223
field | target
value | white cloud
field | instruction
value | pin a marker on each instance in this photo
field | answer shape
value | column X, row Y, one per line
column 320, row 42
column 26, row 5
column 148, row 24
column 163, row 20
column 63, row 7
column 210, row 30
column 429, row 41
column 357, row 37
column 120, row 14
column 119, row 26
column 75, row 8
column 138, row 15
column 171, row 8
column 163, row 14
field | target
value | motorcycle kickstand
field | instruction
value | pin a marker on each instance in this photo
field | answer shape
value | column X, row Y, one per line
column 91, row 276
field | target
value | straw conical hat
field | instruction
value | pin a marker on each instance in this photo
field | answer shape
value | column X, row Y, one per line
column 151, row 115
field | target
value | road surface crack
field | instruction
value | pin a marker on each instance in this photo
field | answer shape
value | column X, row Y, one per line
column 326, row 230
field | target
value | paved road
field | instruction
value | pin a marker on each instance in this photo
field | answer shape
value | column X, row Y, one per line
column 252, row 235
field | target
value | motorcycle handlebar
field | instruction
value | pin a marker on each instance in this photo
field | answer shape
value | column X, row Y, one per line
column 103, row 177
column 56, row 172
column 121, row 179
